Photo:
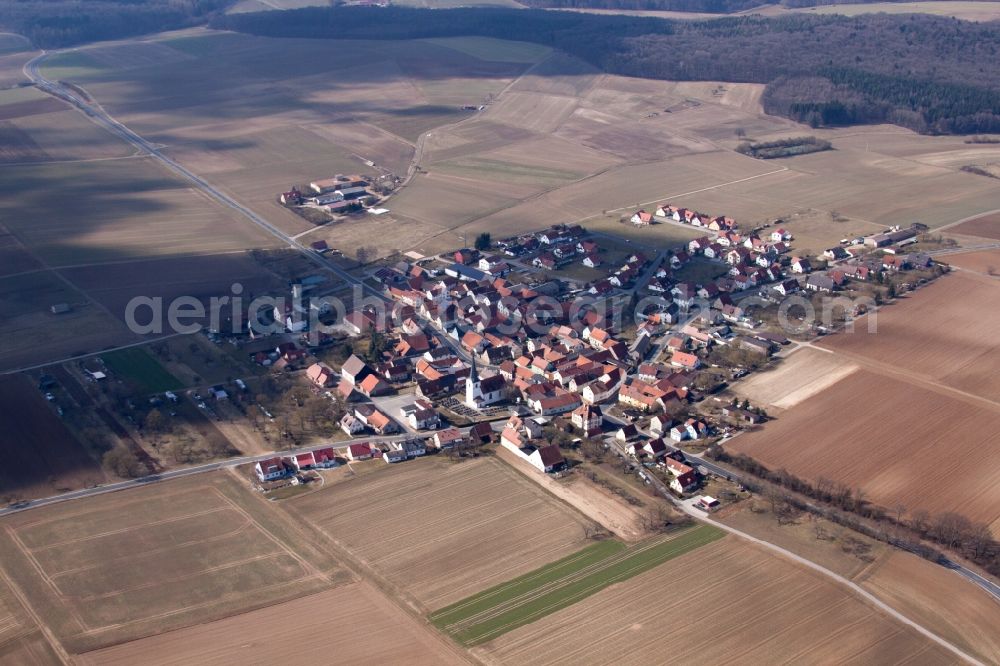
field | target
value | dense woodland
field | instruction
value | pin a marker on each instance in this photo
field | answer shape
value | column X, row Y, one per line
column 58, row 23
column 931, row 74
column 700, row 6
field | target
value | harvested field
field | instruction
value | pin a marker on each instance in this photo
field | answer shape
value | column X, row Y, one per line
column 428, row 526
column 797, row 377
column 32, row 107
column 967, row 11
column 43, row 457
column 987, row 226
column 32, row 334
column 957, row 314
column 14, row 258
column 62, row 135
column 18, row 146
column 891, row 431
column 985, row 262
column 613, row 513
column 379, row 633
column 774, row 611
column 113, row 285
column 527, row 599
column 122, row 209
column 940, row 600
column 29, row 650
column 929, row 594
column 216, row 549
column 532, row 111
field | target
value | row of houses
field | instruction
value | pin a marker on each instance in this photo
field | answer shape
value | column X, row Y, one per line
column 280, row 467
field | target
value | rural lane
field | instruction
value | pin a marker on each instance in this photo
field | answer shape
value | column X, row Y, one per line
column 97, row 114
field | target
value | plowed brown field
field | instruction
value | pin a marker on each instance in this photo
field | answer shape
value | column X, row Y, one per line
column 351, row 624
column 728, row 602
column 442, row 531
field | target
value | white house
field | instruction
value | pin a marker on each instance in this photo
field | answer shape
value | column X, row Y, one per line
column 547, row 458
column 271, row 469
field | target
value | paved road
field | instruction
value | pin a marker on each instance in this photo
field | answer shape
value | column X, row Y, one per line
column 98, row 115
column 197, row 469
column 687, row 506
column 699, row 460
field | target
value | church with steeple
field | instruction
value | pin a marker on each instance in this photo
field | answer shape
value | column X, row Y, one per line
column 480, row 393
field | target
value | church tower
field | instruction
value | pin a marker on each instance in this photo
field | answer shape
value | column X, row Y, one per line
column 473, row 389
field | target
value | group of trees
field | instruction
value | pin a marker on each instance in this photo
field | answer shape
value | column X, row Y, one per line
column 931, row 74
column 59, row 23
column 896, row 525
column 767, row 150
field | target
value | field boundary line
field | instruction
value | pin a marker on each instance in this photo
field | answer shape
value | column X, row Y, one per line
column 504, row 586
column 640, row 567
column 859, row 591
column 155, row 551
column 552, row 586
column 193, row 607
column 84, row 511
column 307, row 566
column 176, row 579
column 49, row 635
column 48, row 582
column 916, row 379
column 100, row 535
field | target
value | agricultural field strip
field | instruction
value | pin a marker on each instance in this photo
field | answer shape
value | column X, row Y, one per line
column 466, row 526
column 913, row 377
column 551, row 574
column 550, row 595
column 156, row 551
column 578, row 588
column 46, row 577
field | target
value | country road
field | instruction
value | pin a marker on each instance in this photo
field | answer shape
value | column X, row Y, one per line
column 98, row 115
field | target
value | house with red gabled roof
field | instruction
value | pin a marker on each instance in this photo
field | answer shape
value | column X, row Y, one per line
column 547, row 459
column 642, row 218
column 373, row 385
column 271, row 469
column 601, row 287
column 325, row 457
column 779, row 235
column 303, row 461
column 448, row 438
column 363, row 451
column 321, row 375
column 685, row 360
column 588, row 418
column 685, row 478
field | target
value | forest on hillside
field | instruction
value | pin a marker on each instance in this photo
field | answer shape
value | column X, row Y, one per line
column 699, row 6
column 58, row 23
column 931, row 74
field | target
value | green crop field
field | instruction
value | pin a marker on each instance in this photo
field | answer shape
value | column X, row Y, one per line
column 141, row 369
column 500, row 609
